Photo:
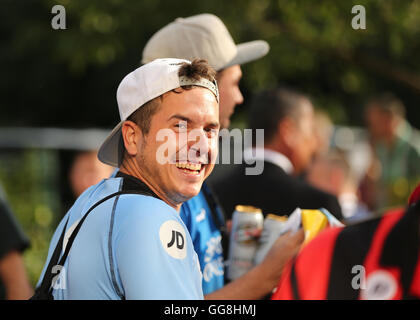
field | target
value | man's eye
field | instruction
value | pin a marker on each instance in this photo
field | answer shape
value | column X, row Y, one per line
column 212, row 132
column 181, row 126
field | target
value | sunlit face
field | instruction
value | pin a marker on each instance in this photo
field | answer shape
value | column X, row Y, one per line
column 304, row 139
column 184, row 130
column 230, row 95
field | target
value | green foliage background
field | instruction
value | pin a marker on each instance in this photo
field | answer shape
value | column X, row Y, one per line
column 68, row 78
column 29, row 179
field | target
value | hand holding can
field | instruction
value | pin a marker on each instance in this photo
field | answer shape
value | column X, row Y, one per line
column 247, row 223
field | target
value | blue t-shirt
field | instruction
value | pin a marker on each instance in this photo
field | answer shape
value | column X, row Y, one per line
column 206, row 238
column 131, row 246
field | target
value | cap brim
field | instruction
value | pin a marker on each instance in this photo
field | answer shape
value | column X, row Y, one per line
column 249, row 51
column 110, row 151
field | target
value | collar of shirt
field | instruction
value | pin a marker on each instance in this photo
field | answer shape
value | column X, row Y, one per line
column 133, row 183
column 348, row 203
column 274, row 157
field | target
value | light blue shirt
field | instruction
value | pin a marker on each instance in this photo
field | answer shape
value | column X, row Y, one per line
column 131, row 246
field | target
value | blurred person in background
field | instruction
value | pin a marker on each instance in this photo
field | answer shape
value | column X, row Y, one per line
column 80, row 169
column 287, row 118
column 323, row 130
column 14, row 283
column 86, row 170
column 394, row 168
column 331, row 172
column 206, row 36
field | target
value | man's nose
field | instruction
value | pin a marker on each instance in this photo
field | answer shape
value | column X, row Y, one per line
column 239, row 97
column 198, row 145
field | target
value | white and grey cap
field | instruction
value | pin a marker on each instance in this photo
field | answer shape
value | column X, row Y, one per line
column 202, row 36
column 141, row 86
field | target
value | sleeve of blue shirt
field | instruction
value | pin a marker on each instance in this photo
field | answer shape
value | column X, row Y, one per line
column 145, row 266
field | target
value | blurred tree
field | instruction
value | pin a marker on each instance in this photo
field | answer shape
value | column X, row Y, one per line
column 69, row 77
column 30, row 181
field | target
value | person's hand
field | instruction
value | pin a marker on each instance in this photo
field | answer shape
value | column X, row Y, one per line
column 285, row 248
column 263, row 278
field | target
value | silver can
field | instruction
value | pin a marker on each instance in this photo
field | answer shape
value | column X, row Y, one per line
column 274, row 226
column 247, row 224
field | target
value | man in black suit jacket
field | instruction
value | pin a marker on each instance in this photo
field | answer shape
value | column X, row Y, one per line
column 287, row 118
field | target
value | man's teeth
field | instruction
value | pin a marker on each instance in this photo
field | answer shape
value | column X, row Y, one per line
column 189, row 166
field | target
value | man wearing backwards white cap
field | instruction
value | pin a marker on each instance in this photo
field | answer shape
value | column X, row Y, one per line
column 205, row 36
column 133, row 244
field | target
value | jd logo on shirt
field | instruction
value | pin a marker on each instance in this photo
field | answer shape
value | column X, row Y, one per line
column 179, row 240
column 172, row 238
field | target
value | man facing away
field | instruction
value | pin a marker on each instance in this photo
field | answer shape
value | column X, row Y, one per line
column 287, row 118
column 205, row 36
column 134, row 245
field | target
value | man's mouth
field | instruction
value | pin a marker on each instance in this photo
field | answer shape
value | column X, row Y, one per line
column 190, row 168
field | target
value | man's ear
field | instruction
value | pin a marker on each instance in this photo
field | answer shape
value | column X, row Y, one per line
column 132, row 137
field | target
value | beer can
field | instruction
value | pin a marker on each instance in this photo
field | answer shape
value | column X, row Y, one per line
column 247, row 224
column 274, row 226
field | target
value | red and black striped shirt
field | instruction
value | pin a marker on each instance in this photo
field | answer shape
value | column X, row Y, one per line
column 376, row 259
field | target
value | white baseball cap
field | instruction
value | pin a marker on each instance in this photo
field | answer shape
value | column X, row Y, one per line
column 202, row 36
column 139, row 87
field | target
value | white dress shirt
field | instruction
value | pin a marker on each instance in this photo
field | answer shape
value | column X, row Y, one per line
column 274, row 157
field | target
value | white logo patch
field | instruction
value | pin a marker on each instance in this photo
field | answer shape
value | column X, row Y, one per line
column 173, row 239
column 201, row 216
column 213, row 265
column 380, row 285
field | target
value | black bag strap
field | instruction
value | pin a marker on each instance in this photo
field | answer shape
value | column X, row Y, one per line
column 215, row 208
column 44, row 291
column 41, row 291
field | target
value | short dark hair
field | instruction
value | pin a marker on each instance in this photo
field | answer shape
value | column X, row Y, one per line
column 143, row 115
column 388, row 103
column 271, row 106
column 199, row 68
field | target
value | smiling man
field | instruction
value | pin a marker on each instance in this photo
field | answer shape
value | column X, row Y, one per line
column 133, row 244
column 206, row 36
